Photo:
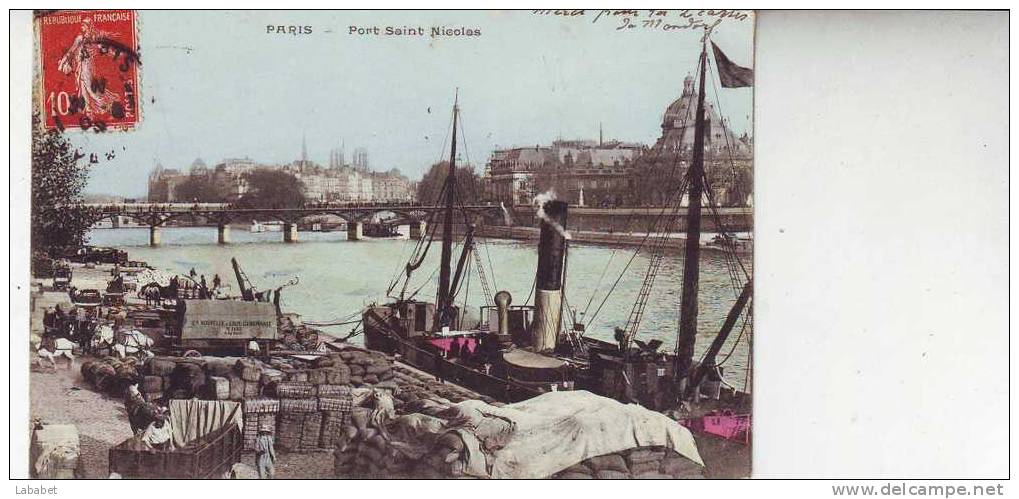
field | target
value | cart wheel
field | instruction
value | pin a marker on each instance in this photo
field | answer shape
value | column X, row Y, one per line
column 192, row 353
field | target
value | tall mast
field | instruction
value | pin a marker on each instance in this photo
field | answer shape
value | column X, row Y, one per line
column 443, row 317
column 692, row 250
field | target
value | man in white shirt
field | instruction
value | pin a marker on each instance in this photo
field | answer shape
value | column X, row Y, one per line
column 158, row 434
column 265, row 453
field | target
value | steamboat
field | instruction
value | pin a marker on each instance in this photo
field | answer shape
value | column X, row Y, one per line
column 516, row 351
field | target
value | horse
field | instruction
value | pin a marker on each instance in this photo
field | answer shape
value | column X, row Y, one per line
column 51, row 348
column 103, row 338
column 140, row 412
column 134, row 342
column 152, row 294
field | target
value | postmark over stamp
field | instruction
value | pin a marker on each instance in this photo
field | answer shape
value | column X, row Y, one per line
column 89, row 65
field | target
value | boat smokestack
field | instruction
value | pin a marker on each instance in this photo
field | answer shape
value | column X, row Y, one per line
column 503, row 300
column 549, row 279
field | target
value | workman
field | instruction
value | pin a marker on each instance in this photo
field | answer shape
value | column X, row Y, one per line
column 265, row 453
column 158, row 434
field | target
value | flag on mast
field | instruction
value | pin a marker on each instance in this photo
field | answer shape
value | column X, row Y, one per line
column 729, row 74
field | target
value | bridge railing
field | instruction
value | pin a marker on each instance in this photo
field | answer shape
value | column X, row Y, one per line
column 224, row 207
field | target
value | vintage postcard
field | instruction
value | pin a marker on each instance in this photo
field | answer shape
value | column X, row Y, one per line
column 394, row 244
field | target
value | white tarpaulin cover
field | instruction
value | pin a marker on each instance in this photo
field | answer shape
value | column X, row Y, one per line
column 193, row 419
column 549, row 433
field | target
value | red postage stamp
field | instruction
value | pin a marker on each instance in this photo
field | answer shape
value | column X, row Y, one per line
column 89, row 66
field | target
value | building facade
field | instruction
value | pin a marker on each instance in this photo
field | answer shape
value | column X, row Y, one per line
column 338, row 182
column 581, row 172
column 613, row 173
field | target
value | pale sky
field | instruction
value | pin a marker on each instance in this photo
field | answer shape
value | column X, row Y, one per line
column 223, row 87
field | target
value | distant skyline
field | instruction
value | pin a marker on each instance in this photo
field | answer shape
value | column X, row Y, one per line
column 216, row 85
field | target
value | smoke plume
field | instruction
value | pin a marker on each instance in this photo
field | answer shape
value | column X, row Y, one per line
column 539, row 203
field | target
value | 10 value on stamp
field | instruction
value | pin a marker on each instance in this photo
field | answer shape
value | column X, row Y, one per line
column 89, row 63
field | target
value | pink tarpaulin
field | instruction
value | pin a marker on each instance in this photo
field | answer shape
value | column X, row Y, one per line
column 454, row 346
column 728, row 426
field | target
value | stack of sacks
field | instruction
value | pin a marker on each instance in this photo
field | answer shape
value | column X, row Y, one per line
column 157, row 377
column 414, row 386
column 112, row 375
column 328, row 370
column 187, row 380
column 211, row 378
column 307, row 338
column 335, row 403
column 366, row 367
column 299, row 424
column 364, row 451
column 258, row 413
column 245, row 380
column 311, row 416
column 440, row 439
column 300, row 338
column 639, row 462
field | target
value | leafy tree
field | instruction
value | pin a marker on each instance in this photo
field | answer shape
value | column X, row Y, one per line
column 200, row 188
column 268, row 188
column 59, row 223
column 468, row 184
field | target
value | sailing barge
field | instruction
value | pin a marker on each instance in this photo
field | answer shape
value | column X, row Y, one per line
column 518, row 351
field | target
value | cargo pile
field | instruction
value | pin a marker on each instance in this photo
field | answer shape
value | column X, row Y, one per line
column 641, row 463
column 416, row 385
column 544, row 437
column 304, row 403
column 258, row 414
column 111, row 375
column 422, row 441
column 299, row 338
column 243, row 378
column 314, row 417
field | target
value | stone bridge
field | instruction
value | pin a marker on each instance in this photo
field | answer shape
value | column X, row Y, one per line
column 156, row 215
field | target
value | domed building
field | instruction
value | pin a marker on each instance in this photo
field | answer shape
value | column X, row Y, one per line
column 678, row 127
column 727, row 158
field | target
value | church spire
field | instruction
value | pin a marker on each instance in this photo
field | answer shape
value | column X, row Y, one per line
column 304, row 149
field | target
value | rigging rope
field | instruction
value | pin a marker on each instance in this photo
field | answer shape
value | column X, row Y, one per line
column 676, row 163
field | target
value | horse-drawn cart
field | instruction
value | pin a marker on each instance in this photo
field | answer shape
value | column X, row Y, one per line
column 207, row 442
column 225, row 326
column 62, row 277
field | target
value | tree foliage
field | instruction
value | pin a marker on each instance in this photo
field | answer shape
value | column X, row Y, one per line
column 468, row 184
column 268, row 188
column 199, row 188
column 59, row 223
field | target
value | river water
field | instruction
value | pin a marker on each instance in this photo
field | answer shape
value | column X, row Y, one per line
column 338, row 277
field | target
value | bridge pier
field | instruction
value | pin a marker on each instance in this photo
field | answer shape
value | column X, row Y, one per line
column 116, row 221
column 154, row 236
column 418, row 229
column 355, row 231
column 223, row 234
column 290, row 232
